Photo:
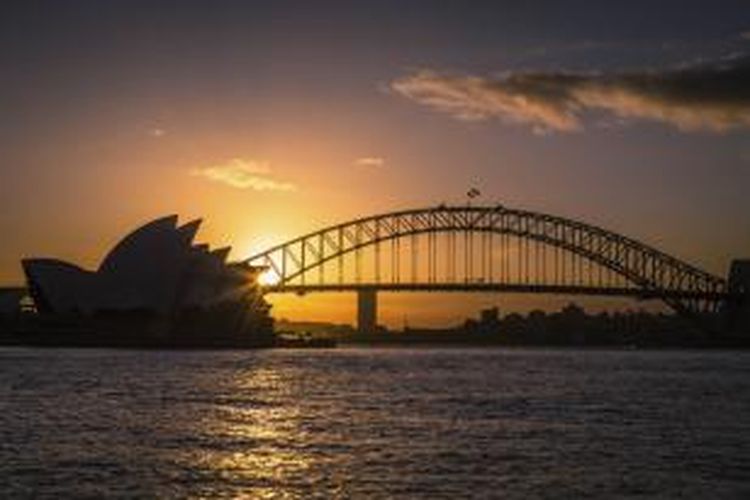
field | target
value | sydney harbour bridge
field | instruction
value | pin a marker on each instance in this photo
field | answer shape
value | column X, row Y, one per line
column 493, row 249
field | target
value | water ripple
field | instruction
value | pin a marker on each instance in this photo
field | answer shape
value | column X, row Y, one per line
column 369, row 423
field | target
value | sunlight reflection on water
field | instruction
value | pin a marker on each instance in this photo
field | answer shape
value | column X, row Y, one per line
column 274, row 454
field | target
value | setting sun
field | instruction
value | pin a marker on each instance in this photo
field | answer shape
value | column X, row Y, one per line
column 268, row 278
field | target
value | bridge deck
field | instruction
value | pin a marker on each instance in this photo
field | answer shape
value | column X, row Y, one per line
column 497, row 287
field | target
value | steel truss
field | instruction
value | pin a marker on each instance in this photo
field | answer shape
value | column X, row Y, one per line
column 549, row 254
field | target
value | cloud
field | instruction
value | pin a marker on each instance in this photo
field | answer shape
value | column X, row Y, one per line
column 745, row 35
column 370, row 161
column 157, row 132
column 706, row 96
column 244, row 174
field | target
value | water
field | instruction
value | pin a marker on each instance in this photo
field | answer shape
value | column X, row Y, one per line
column 375, row 423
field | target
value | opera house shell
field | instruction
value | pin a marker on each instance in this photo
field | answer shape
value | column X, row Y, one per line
column 156, row 271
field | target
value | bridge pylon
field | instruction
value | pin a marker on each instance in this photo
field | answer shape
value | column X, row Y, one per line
column 367, row 310
column 737, row 308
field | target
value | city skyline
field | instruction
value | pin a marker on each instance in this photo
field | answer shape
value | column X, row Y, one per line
column 274, row 120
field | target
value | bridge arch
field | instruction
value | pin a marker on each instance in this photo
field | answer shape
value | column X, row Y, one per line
column 651, row 273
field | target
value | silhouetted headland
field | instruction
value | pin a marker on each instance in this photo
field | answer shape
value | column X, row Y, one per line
column 570, row 327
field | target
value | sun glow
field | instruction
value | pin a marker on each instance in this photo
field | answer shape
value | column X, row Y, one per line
column 268, row 278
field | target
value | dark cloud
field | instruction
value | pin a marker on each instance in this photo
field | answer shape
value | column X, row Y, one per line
column 711, row 96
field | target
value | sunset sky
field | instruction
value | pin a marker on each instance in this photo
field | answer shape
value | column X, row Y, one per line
column 270, row 119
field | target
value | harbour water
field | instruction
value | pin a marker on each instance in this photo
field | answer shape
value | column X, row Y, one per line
column 374, row 423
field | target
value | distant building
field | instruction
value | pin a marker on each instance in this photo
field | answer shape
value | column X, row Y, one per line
column 489, row 319
column 489, row 316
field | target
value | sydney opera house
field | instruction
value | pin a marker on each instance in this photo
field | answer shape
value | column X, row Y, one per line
column 154, row 287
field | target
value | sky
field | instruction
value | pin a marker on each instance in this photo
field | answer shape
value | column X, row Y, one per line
column 271, row 119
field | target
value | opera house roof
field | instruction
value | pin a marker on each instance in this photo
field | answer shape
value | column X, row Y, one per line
column 156, row 267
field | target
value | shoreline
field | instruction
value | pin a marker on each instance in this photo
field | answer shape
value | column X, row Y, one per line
column 426, row 343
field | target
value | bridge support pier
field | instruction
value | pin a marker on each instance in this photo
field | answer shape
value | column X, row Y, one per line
column 367, row 311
